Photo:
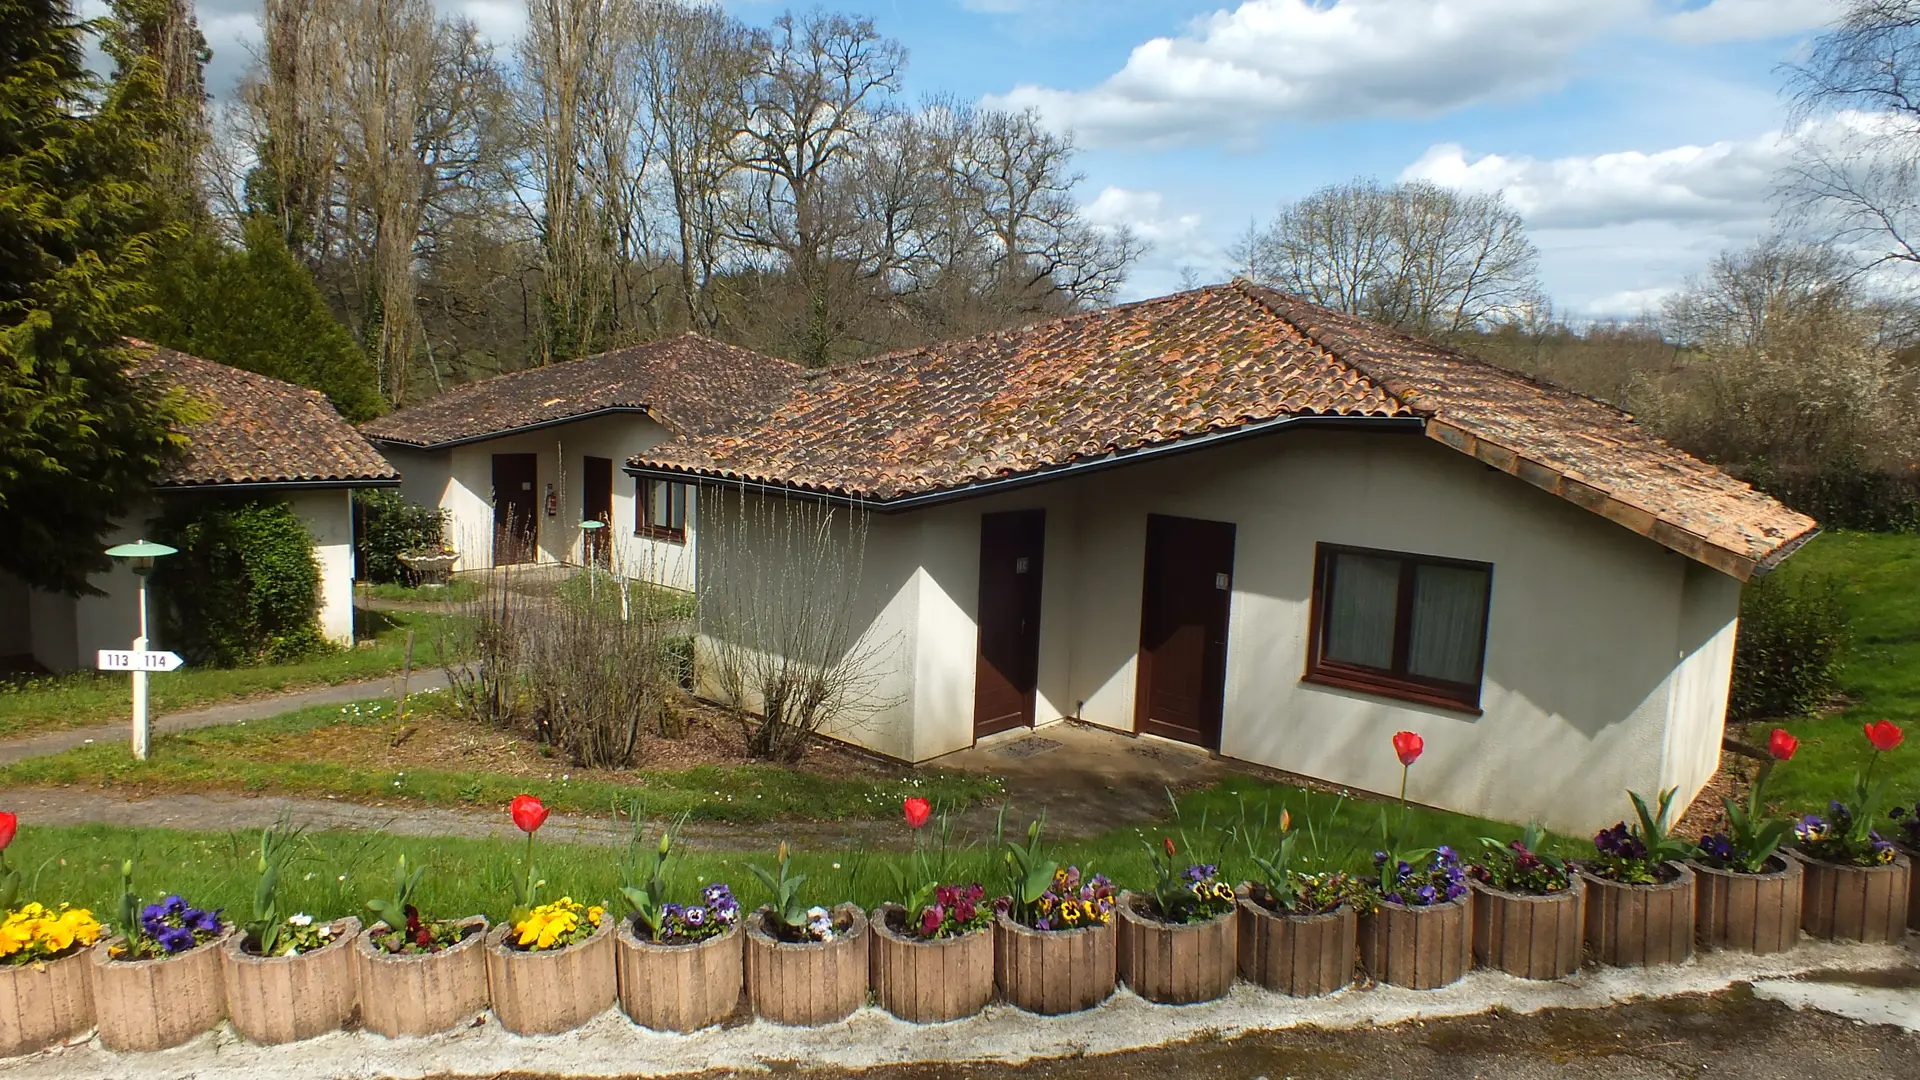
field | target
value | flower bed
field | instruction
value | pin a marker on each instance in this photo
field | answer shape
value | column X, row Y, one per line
column 1858, row 886
column 1755, row 913
column 680, row 966
column 411, row 989
column 1419, row 931
column 554, row 970
column 1177, row 944
column 819, row 980
column 305, row 988
column 930, row 978
column 46, row 996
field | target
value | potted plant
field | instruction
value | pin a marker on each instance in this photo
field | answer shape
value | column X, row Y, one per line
column 1417, row 931
column 1299, row 931
column 432, row 566
column 550, row 969
column 45, row 996
column 805, row 965
column 680, row 965
column 1527, row 909
column 1055, row 948
column 1746, row 891
column 932, row 954
column 1640, row 890
column 1907, row 841
column 1177, row 942
column 158, row 984
column 287, row 977
column 418, row 976
column 1858, row 887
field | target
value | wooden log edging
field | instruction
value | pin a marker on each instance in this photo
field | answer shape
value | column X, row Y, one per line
column 283, row 999
column 44, row 1004
column 1750, row 913
column 1857, row 903
column 1175, row 963
column 1297, row 955
column 1051, row 972
column 1913, row 886
column 158, row 1004
column 679, row 987
column 810, row 983
column 425, row 993
column 929, row 982
column 1640, row 925
column 1532, row 937
column 553, row 990
column 1420, row 948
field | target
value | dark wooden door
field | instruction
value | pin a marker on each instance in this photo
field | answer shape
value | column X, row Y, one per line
column 1007, row 670
column 596, row 504
column 1183, row 629
column 516, row 520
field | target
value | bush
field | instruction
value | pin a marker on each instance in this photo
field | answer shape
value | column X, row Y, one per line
column 245, row 586
column 1786, row 659
column 1847, row 495
column 385, row 527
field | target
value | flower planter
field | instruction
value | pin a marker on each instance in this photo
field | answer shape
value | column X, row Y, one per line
column 1420, row 948
column 157, row 1004
column 424, row 993
column 1640, row 925
column 430, row 569
column 1297, row 955
column 1175, row 963
column 928, row 982
column 1913, row 888
column 1533, row 937
column 282, row 999
column 553, row 990
column 810, row 983
column 1750, row 913
column 1054, row 971
column 1857, row 903
column 679, row 987
column 44, row 1004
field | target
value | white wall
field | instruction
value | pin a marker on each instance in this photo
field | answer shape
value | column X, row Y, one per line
column 328, row 517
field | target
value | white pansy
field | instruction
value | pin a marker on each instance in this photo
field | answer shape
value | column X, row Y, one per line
column 300, row 920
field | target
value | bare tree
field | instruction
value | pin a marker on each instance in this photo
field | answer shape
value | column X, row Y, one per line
column 294, row 145
column 1744, row 294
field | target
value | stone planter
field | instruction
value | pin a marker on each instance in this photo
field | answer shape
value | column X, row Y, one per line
column 1175, row 963
column 679, row 987
column 1420, row 948
column 928, row 982
column 282, row 999
column 1749, row 913
column 45, row 1004
column 1054, row 971
column 1641, row 925
column 1298, row 955
column 1533, row 937
column 1857, row 903
column 157, row 1004
column 421, row 994
column 1913, row 888
column 555, row 990
column 430, row 569
column 811, row 983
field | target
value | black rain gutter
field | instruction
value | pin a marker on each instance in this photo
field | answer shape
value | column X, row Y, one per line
column 1115, row 459
column 611, row 410
column 1767, row 565
column 256, row 485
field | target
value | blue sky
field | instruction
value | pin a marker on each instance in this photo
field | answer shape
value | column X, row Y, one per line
column 1638, row 137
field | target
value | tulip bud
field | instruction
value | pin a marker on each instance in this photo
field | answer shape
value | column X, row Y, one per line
column 782, row 854
column 666, row 841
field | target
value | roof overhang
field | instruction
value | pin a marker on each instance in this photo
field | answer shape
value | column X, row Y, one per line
column 262, row 485
column 501, row 433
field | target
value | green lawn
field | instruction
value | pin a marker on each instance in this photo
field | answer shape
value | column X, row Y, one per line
column 77, row 699
column 455, row 591
column 1879, row 576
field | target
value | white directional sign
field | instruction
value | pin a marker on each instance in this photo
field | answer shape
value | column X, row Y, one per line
column 130, row 660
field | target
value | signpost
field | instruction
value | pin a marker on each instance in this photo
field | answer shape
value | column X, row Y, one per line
column 128, row 660
column 138, row 660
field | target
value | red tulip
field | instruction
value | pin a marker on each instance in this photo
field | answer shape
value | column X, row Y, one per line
column 1407, row 746
column 1781, row 744
column 918, row 810
column 1884, row 735
column 527, row 813
column 9, row 824
column 1168, row 841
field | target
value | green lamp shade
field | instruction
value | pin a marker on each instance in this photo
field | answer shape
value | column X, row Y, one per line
column 144, row 549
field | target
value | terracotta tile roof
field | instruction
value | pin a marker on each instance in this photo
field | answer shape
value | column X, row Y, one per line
column 258, row 430
column 1161, row 371
column 693, row 385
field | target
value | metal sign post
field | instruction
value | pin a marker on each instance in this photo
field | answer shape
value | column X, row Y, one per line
column 139, row 661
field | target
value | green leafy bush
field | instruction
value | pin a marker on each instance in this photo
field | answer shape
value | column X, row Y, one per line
column 385, row 527
column 1786, row 660
column 245, row 586
column 1847, row 494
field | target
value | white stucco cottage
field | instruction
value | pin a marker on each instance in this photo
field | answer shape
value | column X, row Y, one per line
column 519, row 460
column 1233, row 518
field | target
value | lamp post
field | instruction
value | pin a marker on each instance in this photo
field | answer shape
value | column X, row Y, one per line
column 588, row 544
column 139, row 558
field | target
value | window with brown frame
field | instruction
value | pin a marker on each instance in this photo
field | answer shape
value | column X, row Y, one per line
column 661, row 512
column 1406, row 626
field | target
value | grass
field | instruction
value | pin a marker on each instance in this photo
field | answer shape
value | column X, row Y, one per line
column 602, row 592
column 1879, row 575
column 457, row 590
column 253, row 758
column 78, row 699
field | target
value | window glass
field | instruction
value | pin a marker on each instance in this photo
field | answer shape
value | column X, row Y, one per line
column 1449, row 622
column 662, row 506
column 1364, row 595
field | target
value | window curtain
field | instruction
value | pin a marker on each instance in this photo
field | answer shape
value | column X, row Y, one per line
column 1449, row 623
column 1362, row 597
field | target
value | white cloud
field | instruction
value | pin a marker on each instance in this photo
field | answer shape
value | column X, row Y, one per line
column 1749, row 20
column 1179, row 238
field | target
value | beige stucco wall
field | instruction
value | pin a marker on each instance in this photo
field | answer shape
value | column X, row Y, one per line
column 328, row 517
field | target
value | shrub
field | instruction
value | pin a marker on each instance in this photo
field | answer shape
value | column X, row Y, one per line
column 385, row 527
column 1786, row 659
column 245, row 586
column 1847, row 495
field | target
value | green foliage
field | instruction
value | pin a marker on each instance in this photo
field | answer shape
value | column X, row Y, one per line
column 1846, row 494
column 645, row 891
column 1029, row 873
column 1753, row 836
column 1786, row 659
column 80, row 436
column 788, row 910
column 386, row 526
column 393, row 910
column 245, row 586
column 264, row 932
